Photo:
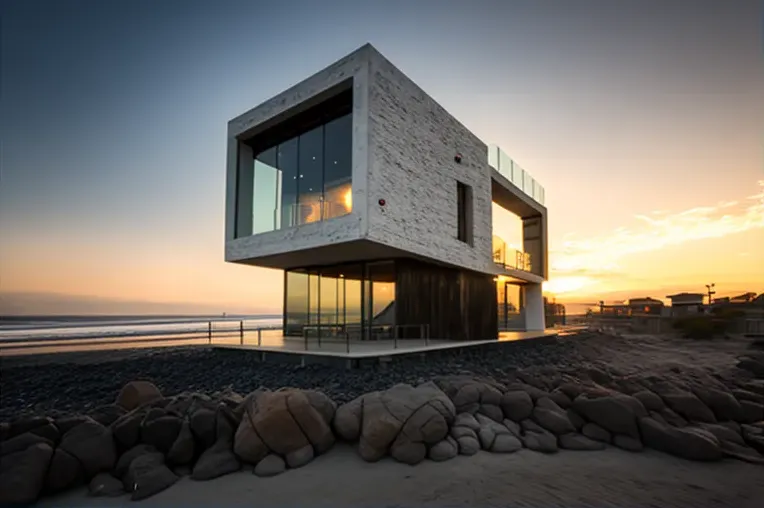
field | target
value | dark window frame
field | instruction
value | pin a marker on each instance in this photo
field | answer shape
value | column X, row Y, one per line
column 464, row 213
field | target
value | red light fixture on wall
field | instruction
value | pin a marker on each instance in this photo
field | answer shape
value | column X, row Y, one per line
column 458, row 158
column 381, row 202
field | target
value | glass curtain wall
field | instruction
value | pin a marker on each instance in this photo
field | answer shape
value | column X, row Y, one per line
column 510, row 305
column 355, row 299
column 304, row 179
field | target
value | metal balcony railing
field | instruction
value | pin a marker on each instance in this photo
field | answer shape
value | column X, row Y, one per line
column 509, row 257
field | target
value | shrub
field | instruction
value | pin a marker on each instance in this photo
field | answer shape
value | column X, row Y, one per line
column 701, row 326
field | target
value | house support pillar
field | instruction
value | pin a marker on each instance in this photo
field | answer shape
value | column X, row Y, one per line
column 534, row 308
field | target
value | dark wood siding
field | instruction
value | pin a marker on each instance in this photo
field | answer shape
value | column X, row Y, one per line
column 456, row 304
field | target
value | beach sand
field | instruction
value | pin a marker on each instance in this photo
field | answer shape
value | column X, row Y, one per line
column 572, row 479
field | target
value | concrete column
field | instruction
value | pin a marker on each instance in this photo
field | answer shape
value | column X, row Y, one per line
column 534, row 308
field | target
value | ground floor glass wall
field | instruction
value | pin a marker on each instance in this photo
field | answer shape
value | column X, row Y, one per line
column 510, row 305
column 356, row 300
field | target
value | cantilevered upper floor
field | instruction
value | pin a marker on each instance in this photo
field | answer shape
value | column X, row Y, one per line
column 358, row 163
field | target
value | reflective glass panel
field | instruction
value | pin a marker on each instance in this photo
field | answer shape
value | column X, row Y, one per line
column 310, row 181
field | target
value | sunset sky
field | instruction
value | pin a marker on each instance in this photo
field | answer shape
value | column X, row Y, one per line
column 642, row 119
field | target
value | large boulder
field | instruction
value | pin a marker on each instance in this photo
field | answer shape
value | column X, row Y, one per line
column 595, row 432
column 93, row 445
column 401, row 421
column 108, row 414
column 161, row 432
column 741, row 395
column 722, row 432
column 517, row 405
column 495, row 437
column 752, row 365
column 23, row 472
column 64, row 471
column 284, row 422
column 537, row 438
column 105, row 485
column 464, row 430
column 271, row 465
column 473, row 395
column 137, row 393
column 534, row 392
column 687, row 405
column 617, row 414
column 124, row 461
column 444, row 450
column 183, row 448
column 148, row 475
column 672, row 418
column 742, row 452
column 21, row 442
column 689, row 443
column 576, row 419
column 651, row 401
column 723, row 404
column 559, row 398
column 751, row 412
column 203, row 426
column 217, row 460
column 25, row 424
column 554, row 421
column 754, row 436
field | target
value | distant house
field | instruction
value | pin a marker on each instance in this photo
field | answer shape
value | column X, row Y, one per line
column 614, row 309
column 633, row 307
column 744, row 298
column 645, row 305
column 686, row 303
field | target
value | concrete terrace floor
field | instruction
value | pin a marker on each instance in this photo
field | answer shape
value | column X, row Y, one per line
column 338, row 348
column 269, row 340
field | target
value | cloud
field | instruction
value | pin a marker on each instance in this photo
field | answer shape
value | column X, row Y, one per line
column 584, row 262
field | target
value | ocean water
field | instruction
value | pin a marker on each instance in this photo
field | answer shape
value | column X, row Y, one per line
column 44, row 334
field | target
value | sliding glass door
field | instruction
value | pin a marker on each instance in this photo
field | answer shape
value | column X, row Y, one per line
column 357, row 300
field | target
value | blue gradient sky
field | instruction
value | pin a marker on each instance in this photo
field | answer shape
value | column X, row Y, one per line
column 643, row 120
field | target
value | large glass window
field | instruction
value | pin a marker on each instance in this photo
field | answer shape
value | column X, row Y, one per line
column 265, row 192
column 510, row 311
column 311, row 178
column 338, row 168
column 295, row 302
column 331, row 301
column 288, row 167
column 305, row 179
column 381, row 303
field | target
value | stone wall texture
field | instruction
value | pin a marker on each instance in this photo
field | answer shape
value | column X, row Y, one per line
column 412, row 144
column 404, row 145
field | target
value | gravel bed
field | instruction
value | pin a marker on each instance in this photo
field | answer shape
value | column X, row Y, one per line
column 58, row 388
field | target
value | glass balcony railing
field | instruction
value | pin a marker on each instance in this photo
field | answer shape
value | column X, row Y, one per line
column 304, row 213
column 512, row 171
column 509, row 257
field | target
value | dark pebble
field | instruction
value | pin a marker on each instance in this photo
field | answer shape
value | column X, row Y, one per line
column 59, row 388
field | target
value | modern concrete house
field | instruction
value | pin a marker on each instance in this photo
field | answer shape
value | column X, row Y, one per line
column 377, row 204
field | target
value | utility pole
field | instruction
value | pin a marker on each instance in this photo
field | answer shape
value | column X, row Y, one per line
column 711, row 292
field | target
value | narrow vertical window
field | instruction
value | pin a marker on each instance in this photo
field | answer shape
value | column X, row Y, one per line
column 464, row 212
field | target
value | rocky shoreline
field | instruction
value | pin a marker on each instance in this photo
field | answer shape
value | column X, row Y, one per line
column 143, row 442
